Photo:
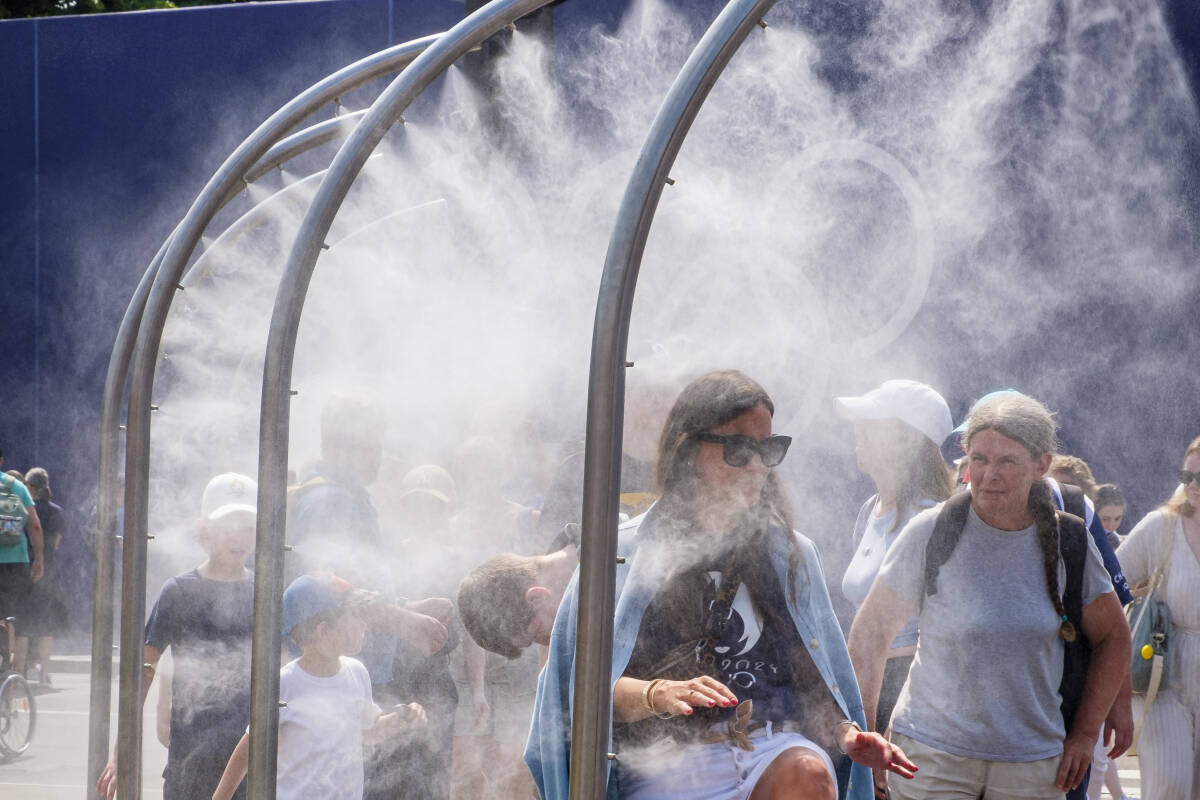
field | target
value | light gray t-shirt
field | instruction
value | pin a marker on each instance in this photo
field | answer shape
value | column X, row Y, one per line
column 872, row 537
column 984, row 683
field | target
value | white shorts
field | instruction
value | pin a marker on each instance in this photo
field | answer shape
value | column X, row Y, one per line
column 721, row 771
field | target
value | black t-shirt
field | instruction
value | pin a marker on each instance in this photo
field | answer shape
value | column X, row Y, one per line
column 53, row 525
column 208, row 626
column 752, row 655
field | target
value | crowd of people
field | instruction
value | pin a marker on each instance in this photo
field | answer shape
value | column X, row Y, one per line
column 430, row 619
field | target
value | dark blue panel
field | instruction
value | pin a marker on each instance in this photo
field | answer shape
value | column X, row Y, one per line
column 17, row 240
column 136, row 112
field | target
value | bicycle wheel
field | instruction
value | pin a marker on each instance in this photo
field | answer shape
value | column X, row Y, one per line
column 17, row 716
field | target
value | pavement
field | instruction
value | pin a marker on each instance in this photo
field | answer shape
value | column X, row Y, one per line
column 55, row 766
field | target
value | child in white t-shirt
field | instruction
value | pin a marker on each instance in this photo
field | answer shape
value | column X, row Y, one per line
column 328, row 713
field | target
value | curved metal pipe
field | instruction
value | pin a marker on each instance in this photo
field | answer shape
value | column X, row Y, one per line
column 158, row 303
column 273, row 444
column 297, row 144
column 277, row 367
column 100, row 703
column 288, row 148
column 244, row 224
column 590, row 728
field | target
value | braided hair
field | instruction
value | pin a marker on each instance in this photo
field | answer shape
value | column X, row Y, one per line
column 1042, row 509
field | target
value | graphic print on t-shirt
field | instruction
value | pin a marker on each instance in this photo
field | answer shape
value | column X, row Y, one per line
column 745, row 657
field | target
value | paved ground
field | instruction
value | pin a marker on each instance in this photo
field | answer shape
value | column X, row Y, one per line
column 54, row 767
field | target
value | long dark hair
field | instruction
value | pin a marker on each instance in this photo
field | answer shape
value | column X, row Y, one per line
column 709, row 402
column 706, row 403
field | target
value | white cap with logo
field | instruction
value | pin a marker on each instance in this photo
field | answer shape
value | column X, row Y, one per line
column 228, row 493
column 911, row 402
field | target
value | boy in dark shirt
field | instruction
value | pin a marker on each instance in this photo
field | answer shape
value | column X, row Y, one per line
column 206, row 617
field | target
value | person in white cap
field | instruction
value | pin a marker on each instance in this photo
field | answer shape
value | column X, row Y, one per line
column 205, row 616
column 898, row 431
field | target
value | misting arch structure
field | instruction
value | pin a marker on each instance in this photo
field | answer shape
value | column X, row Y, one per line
column 136, row 351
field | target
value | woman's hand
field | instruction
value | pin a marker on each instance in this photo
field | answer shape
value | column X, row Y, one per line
column 874, row 751
column 680, row 697
column 635, row 699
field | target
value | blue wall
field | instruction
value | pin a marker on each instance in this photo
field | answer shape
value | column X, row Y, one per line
column 109, row 126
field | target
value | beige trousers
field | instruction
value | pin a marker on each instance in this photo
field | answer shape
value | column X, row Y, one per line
column 942, row 776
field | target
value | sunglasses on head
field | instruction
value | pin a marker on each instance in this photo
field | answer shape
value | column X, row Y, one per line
column 1187, row 476
column 737, row 449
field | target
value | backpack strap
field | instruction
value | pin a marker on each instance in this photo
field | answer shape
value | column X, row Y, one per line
column 946, row 531
column 1072, row 546
column 1073, row 500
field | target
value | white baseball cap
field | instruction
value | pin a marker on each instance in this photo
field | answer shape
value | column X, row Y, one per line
column 228, row 493
column 911, row 402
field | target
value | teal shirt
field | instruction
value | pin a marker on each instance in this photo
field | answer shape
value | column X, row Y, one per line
column 17, row 553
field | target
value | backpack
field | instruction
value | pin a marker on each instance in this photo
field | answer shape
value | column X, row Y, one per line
column 13, row 514
column 1072, row 546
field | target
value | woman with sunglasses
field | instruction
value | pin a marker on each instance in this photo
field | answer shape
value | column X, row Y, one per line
column 899, row 428
column 1169, row 743
column 732, row 679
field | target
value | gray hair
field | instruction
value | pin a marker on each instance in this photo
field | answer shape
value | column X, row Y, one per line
column 1017, row 416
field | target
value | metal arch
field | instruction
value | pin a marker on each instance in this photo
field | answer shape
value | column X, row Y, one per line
column 277, row 367
column 590, row 730
column 100, row 702
column 149, row 327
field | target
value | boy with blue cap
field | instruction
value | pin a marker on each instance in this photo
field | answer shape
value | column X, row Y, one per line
column 327, row 712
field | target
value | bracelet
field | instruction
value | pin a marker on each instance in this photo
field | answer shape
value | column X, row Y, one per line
column 650, row 690
column 149, row 666
column 840, row 724
column 646, row 693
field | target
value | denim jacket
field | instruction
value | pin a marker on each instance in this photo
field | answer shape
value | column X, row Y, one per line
column 548, row 750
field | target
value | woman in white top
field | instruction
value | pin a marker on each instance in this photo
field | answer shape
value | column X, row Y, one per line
column 1169, row 744
column 898, row 431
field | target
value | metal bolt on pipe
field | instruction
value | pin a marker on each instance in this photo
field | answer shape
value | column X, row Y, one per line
column 148, row 325
column 277, row 368
column 591, row 727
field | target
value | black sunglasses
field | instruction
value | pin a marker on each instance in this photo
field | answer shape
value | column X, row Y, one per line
column 1187, row 476
column 737, row 449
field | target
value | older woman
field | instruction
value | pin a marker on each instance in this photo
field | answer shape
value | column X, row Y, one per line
column 733, row 679
column 982, row 713
column 1169, row 747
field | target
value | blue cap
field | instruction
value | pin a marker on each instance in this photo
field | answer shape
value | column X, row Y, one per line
column 989, row 396
column 310, row 595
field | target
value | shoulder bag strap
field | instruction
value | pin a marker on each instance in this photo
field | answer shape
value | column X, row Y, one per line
column 1168, row 542
column 719, row 612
